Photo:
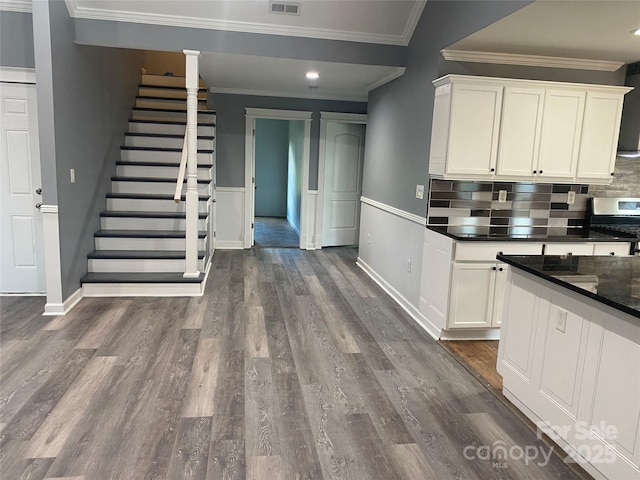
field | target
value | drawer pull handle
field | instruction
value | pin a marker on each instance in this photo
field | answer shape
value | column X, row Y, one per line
column 492, row 170
column 494, row 268
column 535, row 171
column 612, row 253
column 501, row 269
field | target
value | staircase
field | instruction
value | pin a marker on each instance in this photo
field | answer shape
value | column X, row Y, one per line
column 140, row 247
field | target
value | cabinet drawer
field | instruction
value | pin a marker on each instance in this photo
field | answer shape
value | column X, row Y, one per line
column 487, row 251
column 616, row 248
column 583, row 248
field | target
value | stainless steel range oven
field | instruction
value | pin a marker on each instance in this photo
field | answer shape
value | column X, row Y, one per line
column 616, row 215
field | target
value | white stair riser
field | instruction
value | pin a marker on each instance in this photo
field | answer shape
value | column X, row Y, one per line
column 168, row 129
column 99, row 265
column 164, row 142
column 149, row 205
column 157, row 172
column 137, row 223
column 160, row 156
column 142, row 289
column 176, row 116
column 165, row 80
column 168, row 93
column 120, row 243
column 154, row 187
column 179, row 105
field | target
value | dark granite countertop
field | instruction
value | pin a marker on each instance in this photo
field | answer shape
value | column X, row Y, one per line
column 472, row 233
column 618, row 278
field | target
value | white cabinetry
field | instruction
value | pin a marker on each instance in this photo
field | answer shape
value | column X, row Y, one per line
column 524, row 130
column 579, row 383
column 560, row 136
column 599, row 141
column 463, row 285
column 477, row 292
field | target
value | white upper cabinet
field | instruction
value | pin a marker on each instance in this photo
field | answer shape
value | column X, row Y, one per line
column 474, row 126
column 524, row 130
column 520, row 132
column 600, row 129
column 560, row 136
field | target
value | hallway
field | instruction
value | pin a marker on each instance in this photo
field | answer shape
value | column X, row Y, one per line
column 294, row 364
column 274, row 232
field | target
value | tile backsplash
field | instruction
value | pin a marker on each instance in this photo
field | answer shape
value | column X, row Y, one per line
column 530, row 208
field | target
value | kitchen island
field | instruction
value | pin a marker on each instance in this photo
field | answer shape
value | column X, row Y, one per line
column 569, row 355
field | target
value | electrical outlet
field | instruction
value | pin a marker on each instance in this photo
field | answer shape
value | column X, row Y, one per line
column 571, row 197
column 409, row 266
column 420, row 191
column 72, row 175
column 502, row 196
column 368, row 238
column 561, row 321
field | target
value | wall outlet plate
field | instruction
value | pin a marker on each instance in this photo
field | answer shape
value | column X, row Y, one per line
column 561, row 321
column 420, row 191
column 72, row 175
column 502, row 196
column 571, row 197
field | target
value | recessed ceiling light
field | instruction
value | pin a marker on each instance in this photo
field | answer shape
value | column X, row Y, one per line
column 312, row 75
column 637, row 32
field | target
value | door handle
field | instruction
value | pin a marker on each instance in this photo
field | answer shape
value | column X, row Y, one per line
column 39, row 191
column 38, row 205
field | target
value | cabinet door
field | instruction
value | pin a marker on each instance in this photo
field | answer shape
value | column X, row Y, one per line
column 473, row 133
column 498, row 294
column 600, row 131
column 472, row 287
column 520, row 131
column 560, row 136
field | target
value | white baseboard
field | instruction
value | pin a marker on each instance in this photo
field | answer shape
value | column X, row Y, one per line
column 55, row 309
column 229, row 245
column 488, row 334
column 407, row 306
column 293, row 225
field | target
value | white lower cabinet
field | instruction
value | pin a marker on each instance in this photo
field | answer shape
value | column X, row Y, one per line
column 463, row 285
column 571, row 365
column 477, row 293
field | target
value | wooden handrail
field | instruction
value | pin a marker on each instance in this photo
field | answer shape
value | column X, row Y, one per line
column 183, row 167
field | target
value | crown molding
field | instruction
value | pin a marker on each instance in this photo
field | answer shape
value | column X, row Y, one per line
column 16, row 6
column 77, row 11
column 276, row 93
column 530, row 60
column 397, row 73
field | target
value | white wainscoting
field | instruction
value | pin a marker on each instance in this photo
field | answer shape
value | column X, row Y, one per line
column 308, row 240
column 230, row 218
column 389, row 239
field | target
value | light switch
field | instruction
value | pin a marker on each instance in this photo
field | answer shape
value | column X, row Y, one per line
column 72, row 175
column 420, row 191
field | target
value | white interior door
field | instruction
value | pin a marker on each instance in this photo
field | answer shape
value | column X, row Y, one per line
column 342, row 183
column 21, row 238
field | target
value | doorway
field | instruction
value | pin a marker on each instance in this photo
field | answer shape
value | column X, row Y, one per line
column 278, row 183
column 21, row 229
column 267, row 191
column 340, row 171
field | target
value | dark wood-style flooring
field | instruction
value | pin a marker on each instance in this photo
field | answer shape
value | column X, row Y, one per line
column 481, row 357
column 274, row 232
column 293, row 365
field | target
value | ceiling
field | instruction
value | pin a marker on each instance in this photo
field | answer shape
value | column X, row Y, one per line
column 577, row 29
column 582, row 29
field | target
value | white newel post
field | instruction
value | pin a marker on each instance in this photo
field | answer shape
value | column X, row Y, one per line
column 192, row 82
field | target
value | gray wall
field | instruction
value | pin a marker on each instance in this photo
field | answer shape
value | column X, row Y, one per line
column 88, row 92
column 294, row 192
column 272, row 156
column 16, row 40
column 230, row 110
column 400, row 113
column 163, row 37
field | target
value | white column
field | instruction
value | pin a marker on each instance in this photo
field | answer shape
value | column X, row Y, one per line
column 53, row 276
column 192, row 82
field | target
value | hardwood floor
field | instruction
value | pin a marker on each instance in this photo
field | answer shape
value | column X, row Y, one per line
column 274, row 232
column 293, row 365
column 481, row 356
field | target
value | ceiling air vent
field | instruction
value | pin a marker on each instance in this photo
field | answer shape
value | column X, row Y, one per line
column 285, row 8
